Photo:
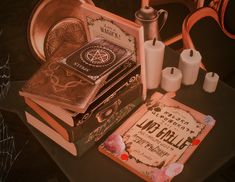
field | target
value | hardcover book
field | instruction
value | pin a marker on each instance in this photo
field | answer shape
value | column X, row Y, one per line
column 114, row 80
column 119, row 96
column 96, row 59
column 73, row 148
column 158, row 138
column 56, row 84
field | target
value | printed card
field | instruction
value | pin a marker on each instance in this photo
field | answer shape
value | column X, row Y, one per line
column 158, row 138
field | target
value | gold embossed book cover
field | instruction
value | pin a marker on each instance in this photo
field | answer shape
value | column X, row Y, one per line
column 56, row 84
column 156, row 141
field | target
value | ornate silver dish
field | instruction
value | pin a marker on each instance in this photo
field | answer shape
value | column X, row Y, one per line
column 45, row 15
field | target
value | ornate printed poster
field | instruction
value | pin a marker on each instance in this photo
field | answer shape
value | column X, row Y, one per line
column 158, row 137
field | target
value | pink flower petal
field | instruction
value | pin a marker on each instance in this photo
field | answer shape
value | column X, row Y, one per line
column 114, row 144
column 174, row 169
column 159, row 176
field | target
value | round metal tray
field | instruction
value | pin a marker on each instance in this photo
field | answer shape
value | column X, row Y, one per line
column 45, row 15
column 67, row 31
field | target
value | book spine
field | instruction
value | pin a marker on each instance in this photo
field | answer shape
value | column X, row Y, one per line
column 48, row 119
column 53, row 135
column 67, row 132
column 77, row 148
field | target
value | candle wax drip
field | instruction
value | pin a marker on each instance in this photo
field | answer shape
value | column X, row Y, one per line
column 191, row 53
column 172, row 70
column 154, row 41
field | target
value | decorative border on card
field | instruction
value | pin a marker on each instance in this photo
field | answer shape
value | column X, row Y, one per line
column 102, row 27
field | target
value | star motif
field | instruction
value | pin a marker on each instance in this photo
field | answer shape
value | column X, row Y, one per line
column 98, row 56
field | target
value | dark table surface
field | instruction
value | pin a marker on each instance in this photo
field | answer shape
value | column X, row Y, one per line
column 215, row 150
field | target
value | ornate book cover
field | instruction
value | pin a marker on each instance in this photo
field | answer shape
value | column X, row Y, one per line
column 158, row 138
column 96, row 59
column 56, row 84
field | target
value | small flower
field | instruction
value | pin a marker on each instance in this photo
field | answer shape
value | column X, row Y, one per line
column 196, row 142
column 114, row 144
column 124, row 157
column 159, row 175
column 209, row 120
column 174, row 169
column 167, row 173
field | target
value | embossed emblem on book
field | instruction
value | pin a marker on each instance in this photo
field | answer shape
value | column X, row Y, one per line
column 96, row 59
column 97, row 56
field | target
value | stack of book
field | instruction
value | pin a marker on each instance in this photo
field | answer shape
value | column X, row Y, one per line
column 77, row 99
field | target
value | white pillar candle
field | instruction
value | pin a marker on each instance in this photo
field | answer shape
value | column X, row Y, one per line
column 171, row 79
column 189, row 64
column 210, row 82
column 154, row 55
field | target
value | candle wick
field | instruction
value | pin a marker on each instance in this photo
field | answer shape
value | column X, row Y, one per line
column 212, row 74
column 172, row 70
column 154, row 41
column 191, row 53
column 147, row 7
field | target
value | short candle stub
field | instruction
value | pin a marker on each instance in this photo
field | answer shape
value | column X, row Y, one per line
column 191, row 53
column 154, row 41
column 210, row 82
column 189, row 64
column 171, row 79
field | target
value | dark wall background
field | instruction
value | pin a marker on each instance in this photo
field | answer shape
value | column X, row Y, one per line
column 14, row 16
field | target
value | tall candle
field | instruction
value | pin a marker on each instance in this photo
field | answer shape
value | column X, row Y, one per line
column 154, row 55
column 189, row 64
column 210, row 82
column 171, row 79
